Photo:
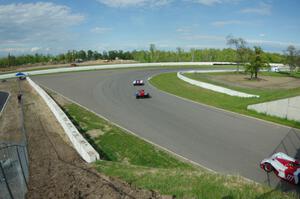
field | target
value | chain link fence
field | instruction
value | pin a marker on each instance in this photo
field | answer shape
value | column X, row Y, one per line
column 13, row 171
column 14, row 166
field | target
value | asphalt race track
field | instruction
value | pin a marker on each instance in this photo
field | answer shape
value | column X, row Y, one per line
column 222, row 141
column 3, row 99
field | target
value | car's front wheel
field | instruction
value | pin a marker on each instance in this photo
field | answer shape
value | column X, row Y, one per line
column 268, row 167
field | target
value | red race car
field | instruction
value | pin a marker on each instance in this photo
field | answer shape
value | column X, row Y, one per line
column 142, row 94
column 284, row 166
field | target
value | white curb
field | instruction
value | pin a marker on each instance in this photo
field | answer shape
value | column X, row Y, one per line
column 212, row 87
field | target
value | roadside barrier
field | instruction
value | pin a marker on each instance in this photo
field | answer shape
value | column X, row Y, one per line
column 112, row 66
column 288, row 108
column 85, row 150
column 212, row 87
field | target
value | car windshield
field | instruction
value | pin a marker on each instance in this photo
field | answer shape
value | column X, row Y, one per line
column 294, row 164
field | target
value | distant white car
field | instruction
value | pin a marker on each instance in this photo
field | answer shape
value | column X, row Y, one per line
column 275, row 69
column 138, row 83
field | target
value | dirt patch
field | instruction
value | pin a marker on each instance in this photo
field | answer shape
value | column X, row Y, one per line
column 263, row 82
column 95, row 133
column 10, row 118
column 56, row 170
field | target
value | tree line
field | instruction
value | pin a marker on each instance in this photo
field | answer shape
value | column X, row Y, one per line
column 68, row 57
column 255, row 59
column 237, row 51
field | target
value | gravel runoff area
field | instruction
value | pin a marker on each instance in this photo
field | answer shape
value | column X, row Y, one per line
column 56, row 170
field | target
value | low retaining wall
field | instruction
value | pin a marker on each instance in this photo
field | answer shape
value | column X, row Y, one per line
column 111, row 66
column 286, row 108
column 211, row 86
column 85, row 150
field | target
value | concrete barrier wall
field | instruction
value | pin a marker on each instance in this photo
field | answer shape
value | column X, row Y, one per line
column 85, row 150
column 211, row 86
column 286, row 108
column 113, row 66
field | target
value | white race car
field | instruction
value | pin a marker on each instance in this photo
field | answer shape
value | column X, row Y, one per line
column 284, row 166
column 138, row 83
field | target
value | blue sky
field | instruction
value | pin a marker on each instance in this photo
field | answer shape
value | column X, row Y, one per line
column 46, row 26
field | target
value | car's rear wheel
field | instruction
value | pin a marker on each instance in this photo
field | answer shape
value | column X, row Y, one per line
column 268, row 167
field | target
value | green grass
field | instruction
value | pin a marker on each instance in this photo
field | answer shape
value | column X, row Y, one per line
column 143, row 165
column 170, row 83
column 188, row 183
column 119, row 146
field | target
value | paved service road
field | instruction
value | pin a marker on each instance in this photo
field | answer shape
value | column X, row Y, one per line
column 222, row 141
column 3, row 99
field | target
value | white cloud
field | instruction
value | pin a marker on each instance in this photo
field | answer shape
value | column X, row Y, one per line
column 11, row 50
column 128, row 3
column 204, row 37
column 100, row 30
column 213, row 2
column 35, row 49
column 225, row 23
column 262, row 35
column 184, row 30
column 262, row 9
column 20, row 49
column 34, row 24
column 207, row 2
column 271, row 43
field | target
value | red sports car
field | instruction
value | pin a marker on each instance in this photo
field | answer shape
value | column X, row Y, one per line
column 284, row 166
column 142, row 94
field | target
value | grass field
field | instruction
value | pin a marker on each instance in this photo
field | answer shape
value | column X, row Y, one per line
column 143, row 165
column 170, row 83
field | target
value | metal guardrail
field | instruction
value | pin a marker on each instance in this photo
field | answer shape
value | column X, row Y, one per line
column 14, row 164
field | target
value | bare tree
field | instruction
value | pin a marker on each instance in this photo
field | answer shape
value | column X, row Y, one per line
column 241, row 49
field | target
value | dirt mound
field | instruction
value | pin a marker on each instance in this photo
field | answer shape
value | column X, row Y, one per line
column 262, row 82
